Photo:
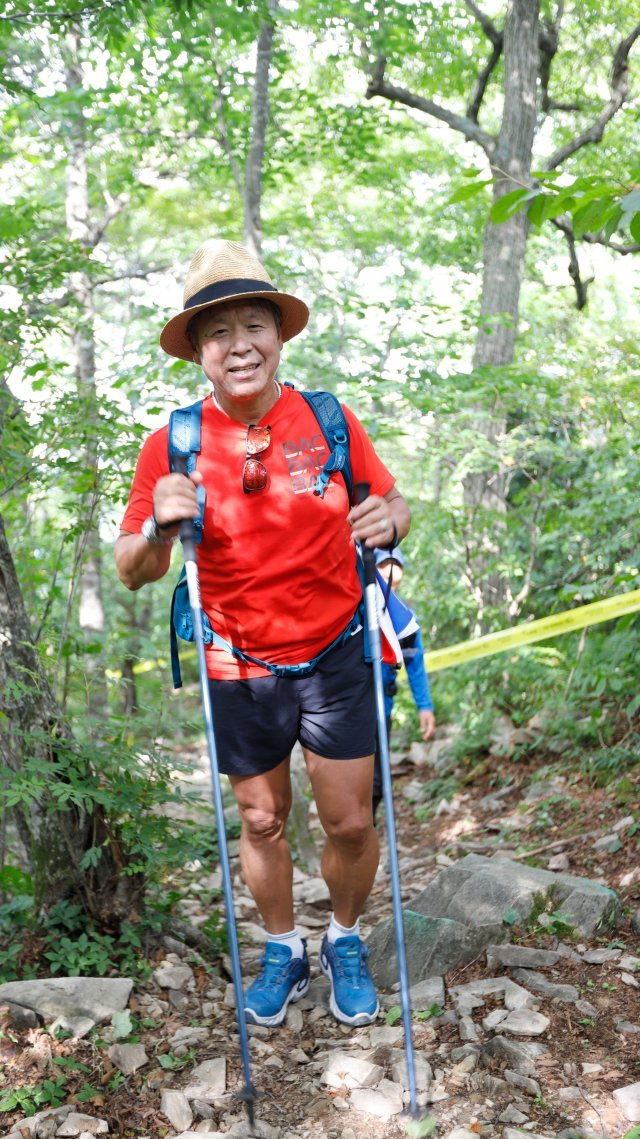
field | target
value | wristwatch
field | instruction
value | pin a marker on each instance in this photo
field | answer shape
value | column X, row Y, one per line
column 152, row 533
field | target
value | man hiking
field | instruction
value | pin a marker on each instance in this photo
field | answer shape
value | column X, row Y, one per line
column 278, row 579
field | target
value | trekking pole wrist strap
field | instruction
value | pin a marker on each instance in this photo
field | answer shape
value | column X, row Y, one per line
column 163, row 525
column 395, row 540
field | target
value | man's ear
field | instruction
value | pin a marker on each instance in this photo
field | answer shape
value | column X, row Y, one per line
column 197, row 358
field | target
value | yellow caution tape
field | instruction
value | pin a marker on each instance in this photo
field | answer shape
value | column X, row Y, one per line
column 532, row 631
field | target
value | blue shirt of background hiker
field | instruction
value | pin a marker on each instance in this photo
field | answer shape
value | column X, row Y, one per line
column 413, row 657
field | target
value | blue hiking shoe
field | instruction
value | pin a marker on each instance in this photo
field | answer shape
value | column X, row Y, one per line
column 353, row 998
column 283, row 979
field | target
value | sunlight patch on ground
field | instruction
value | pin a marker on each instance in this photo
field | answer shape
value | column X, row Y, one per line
column 464, row 824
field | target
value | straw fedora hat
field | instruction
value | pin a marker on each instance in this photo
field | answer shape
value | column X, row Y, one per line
column 225, row 271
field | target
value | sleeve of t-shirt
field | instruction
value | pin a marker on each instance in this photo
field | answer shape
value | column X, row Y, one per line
column 366, row 466
column 153, row 463
column 418, row 678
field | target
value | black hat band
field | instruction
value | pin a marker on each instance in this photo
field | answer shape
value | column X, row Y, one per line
column 228, row 288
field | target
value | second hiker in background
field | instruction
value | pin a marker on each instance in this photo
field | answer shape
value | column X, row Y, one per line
column 390, row 565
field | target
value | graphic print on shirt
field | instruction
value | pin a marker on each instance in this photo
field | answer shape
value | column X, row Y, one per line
column 305, row 459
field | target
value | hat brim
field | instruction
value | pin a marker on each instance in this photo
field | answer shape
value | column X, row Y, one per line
column 174, row 339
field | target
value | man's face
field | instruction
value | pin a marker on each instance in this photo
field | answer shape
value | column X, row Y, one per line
column 238, row 349
column 391, row 571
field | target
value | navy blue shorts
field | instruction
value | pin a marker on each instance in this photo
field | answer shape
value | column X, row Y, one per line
column 332, row 712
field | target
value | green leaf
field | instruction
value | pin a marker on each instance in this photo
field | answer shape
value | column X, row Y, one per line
column 421, row 1128
column 591, row 217
column 509, row 204
column 634, row 227
column 393, row 1014
column 536, row 210
column 471, row 190
column 121, row 1023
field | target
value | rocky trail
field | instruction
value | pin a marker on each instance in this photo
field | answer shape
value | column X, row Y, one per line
column 522, row 884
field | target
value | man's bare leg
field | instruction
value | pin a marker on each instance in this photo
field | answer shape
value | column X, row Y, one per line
column 342, row 790
column 264, row 802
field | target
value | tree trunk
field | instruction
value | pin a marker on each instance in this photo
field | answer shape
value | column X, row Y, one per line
column 91, row 609
column 138, row 611
column 38, row 757
column 257, row 141
column 504, row 254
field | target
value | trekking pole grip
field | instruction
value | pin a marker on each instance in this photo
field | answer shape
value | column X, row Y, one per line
column 187, row 529
column 368, row 557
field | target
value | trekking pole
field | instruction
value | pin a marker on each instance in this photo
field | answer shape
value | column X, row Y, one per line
column 373, row 627
column 187, row 537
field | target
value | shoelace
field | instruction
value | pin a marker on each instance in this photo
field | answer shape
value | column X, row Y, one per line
column 350, row 961
column 273, row 970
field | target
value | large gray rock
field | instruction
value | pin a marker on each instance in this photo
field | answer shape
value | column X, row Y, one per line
column 434, row 946
column 539, row 984
column 77, row 1123
column 520, row 1057
column 520, row 956
column 74, row 1003
column 177, row 1109
column 208, row 1080
column 54, row 1115
column 480, row 892
column 628, row 1101
column 351, row 1071
column 128, row 1057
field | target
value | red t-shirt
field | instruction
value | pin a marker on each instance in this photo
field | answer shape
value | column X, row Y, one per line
column 277, row 566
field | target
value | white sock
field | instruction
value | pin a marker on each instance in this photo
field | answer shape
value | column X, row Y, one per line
column 336, row 930
column 292, row 940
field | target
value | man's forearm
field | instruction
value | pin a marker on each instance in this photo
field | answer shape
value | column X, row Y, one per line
column 139, row 561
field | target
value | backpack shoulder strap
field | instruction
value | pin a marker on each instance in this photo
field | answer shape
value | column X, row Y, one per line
column 185, row 427
column 331, row 418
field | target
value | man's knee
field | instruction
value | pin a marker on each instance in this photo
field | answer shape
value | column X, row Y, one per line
column 353, row 830
column 264, row 824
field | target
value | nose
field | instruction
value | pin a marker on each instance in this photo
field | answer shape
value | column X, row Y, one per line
column 240, row 343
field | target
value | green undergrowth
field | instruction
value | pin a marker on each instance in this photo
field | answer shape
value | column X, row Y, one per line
column 164, row 840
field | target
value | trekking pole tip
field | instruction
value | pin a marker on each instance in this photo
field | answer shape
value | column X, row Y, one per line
column 247, row 1096
column 419, row 1124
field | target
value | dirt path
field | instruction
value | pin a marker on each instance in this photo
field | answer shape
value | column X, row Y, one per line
column 307, row 1089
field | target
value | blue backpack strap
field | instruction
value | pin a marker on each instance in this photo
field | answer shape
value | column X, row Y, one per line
column 173, row 639
column 185, row 425
column 331, row 418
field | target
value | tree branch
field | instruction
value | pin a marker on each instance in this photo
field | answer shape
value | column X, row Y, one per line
column 516, row 603
column 223, row 136
column 461, row 123
column 618, row 95
column 115, row 206
column 130, row 274
column 600, row 239
column 564, row 225
column 482, row 81
column 486, row 24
